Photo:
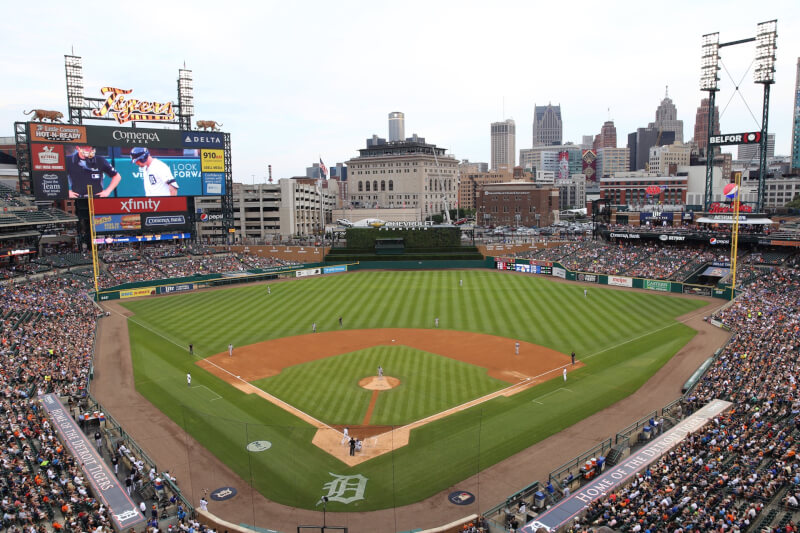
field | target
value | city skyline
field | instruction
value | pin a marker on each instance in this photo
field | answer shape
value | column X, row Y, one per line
column 293, row 84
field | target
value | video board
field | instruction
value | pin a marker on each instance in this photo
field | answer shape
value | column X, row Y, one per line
column 121, row 162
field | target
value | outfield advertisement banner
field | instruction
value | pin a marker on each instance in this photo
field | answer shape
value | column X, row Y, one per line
column 654, row 285
column 308, row 272
column 559, row 272
column 333, row 269
column 168, row 289
column 135, row 293
column 620, row 281
column 589, row 278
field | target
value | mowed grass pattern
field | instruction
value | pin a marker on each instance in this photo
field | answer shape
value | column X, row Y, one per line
column 623, row 337
column 328, row 389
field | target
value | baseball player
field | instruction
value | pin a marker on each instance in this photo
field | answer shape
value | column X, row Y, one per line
column 314, row 327
column 158, row 178
column 269, row 289
column 85, row 167
column 230, row 350
column 436, row 322
column 564, row 373
column 516, row 348
column 188, row 379
column 380, row 371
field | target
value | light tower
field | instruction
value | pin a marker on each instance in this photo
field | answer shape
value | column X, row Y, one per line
column 764, row 74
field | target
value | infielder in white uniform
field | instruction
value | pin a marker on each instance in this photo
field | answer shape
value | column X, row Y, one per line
column 158, row 178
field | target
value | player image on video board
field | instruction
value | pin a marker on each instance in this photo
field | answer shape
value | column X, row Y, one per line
column 159, row 172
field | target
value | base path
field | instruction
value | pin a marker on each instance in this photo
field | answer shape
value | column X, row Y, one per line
column 533, row 365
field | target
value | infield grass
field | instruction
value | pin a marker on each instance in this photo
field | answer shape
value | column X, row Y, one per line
column 622, row 337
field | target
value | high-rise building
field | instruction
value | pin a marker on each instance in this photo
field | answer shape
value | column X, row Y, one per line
column 607, row 137
column 796, row 123
column 409, row 173
column 547, row 126
column 611, row 160
column 397, row 127
column 752, row 152
column 701, row 124
column 667, row 158
column 642, row 141
column 549, row 158
column 667, row 119
column 503, row 144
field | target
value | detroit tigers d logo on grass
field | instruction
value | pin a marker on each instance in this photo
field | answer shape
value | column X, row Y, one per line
column 345, row 489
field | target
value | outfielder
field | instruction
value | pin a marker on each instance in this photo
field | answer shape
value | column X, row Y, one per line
column 188, row 379
column 158, row 178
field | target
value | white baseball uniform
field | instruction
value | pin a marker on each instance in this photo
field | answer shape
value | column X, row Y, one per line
column 157, row 178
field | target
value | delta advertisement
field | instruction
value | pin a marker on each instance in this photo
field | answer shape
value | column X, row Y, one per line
column 122, row 162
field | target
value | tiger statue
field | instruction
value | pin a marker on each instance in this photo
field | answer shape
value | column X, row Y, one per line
column 208, row 125
column 44, row 114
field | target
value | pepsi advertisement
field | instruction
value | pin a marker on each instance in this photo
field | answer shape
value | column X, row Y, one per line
column 129, row 163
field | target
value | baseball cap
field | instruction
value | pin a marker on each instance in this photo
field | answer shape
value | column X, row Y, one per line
column 139, row 154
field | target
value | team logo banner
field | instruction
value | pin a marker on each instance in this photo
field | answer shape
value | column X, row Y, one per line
column 125, row 110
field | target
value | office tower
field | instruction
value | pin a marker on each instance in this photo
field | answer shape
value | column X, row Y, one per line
column 607, row 137
column 752, row 152
column 503, row 144
column 397, row 128
column 547, row 126
column 667, row 119
column 701, row 125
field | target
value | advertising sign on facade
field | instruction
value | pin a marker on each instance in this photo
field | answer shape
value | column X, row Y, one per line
column 116, row 223
column 47, row 156
column 655, row 285
column 60, row 133
column 559, row 272
column 620, row 281
column 112, row 206
column 212, row 160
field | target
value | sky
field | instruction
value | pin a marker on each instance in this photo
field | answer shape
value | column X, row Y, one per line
column 294, row 82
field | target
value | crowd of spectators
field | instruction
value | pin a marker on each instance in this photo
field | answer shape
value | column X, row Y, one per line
column 726, row 476
column 741, row 470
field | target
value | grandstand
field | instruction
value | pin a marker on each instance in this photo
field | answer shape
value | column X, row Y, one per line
column 740, row 472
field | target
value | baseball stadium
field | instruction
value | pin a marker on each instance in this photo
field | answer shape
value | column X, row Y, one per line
column 164, row 370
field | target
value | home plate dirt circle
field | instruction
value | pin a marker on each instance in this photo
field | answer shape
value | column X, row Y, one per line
column 378, row 383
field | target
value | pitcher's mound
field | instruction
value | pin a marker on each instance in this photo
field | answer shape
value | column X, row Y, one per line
column 376, row 383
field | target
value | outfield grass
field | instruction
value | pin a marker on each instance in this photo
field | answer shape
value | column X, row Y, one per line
column 623, row 337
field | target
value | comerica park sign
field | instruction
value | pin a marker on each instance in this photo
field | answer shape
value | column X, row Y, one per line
column 735, row 138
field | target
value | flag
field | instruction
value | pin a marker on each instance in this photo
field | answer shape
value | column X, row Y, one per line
column 323, row 170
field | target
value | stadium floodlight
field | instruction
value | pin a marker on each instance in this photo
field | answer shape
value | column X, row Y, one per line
column 765, row 52
column 709, row 65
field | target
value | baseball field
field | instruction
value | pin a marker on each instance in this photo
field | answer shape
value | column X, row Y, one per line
column 451, row 402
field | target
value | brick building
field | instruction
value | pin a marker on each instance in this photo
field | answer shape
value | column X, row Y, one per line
column 516, row 203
